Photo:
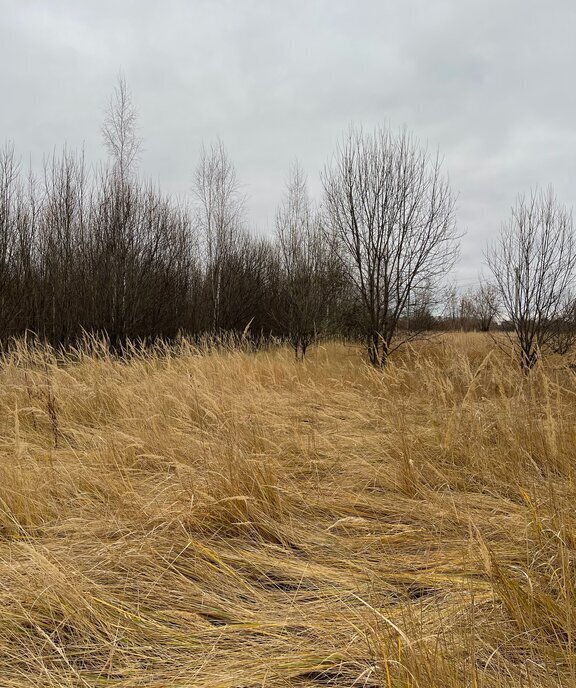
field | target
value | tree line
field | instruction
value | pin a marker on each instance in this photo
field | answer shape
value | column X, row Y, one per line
column 101, row 251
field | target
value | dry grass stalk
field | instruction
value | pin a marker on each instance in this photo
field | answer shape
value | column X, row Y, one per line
column 236, row 519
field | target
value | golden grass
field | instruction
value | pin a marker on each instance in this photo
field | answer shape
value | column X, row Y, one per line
column 239, row 520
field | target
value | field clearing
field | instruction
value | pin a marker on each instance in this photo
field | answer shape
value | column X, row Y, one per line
column 234, row 520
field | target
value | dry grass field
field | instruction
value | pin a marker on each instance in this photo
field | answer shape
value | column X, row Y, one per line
column 234, row 520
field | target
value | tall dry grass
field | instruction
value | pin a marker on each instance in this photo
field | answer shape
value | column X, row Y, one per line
column 239, row 519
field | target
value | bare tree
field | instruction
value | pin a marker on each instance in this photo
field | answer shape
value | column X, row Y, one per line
column 392, row 212
column 563, row 331
column 484, row 305
column 452, row 307
column 308, row 269
column 118, row 222
column 473, row 310
column 119, row 130
column 533, row 264
column 220, row 216
column 418, row 316
column 12, row 232
column 61, row 243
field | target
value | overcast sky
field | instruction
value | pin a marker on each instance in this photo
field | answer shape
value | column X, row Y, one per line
column 488, row 82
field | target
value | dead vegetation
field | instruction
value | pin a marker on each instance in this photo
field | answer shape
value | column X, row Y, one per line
column 238, row 519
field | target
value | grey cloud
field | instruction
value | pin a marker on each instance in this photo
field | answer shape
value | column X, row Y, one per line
column 485, row 82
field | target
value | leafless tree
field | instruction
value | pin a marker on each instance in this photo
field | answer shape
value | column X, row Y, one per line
column 307, row 263
column 118, row 220
column 563, row 330
column 533, row 264
column 392, row 212
column 484, row 305
column 220, row 207
column 418, row 316
column 60, row 237
column 12, row 233
column 452, row 307
column 119, row 130
column 245, row 296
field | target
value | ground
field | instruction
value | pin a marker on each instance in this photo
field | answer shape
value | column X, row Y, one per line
column 239, row 519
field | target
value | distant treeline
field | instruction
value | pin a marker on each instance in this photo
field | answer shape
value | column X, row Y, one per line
column 107, row 254
column 100, row 251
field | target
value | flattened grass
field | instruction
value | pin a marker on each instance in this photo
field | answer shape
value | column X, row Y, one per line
column 238, row 519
